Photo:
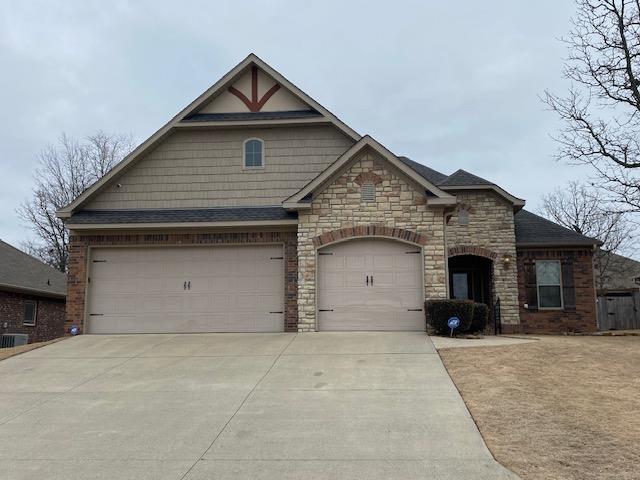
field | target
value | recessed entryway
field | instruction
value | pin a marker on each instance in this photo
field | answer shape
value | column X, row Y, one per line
column 186, row 289
column 370, row 284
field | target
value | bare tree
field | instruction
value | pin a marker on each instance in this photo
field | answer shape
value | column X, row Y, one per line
column 584, row 210
column 66, row 170
column 601, row 112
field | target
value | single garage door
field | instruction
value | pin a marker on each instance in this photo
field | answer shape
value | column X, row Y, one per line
column 370, row 284
column 186, row 289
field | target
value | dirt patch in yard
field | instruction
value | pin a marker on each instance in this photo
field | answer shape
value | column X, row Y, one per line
column 558, row 408
column 10, row 352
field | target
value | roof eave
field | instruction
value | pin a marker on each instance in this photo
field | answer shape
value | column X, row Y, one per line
column 169, row 225
column 517, row 202
column 31, row 291
column 555, row 244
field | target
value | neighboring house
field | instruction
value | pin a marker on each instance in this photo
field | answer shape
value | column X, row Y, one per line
column 256, row 209
column 621, row 275
column 619, row 294
column 32, row 296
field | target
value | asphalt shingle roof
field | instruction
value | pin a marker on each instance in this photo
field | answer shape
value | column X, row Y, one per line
column 233, row 214
column 241, row 116
column 531, row 229
column 429, row 174
column 462, row 178
column 19, row 271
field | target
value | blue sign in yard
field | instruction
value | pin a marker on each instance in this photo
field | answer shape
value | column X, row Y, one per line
column 453, row 322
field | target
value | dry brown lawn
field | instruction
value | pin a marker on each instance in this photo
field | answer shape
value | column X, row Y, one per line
column 558, row 408
column 10, row 352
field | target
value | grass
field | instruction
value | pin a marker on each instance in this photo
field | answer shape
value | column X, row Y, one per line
column 558, row 408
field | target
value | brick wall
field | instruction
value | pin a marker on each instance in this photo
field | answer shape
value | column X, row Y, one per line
column 339, row 208
column 50, row 316
column 583, row 318
column 79, row 245
column 491, row 227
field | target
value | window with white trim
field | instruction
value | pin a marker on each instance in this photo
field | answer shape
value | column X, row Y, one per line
column 253, row 153
column 30, row 312
column 549, row 280
column 368, row 192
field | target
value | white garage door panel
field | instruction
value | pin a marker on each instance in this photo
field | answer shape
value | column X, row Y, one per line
column 232, row 289
column 392, row 302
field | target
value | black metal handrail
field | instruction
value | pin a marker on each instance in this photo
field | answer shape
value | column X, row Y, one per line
column 497, row 322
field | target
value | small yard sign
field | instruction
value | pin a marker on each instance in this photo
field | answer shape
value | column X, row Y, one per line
column 453, row 323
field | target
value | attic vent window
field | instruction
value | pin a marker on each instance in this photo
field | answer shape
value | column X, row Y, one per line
column 368, row 192
column 253, row 153
column 463, row 216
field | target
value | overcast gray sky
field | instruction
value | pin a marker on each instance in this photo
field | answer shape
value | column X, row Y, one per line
column 449, row 86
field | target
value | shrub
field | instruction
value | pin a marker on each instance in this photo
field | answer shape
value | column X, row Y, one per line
column 480, row 318
column 438, row 312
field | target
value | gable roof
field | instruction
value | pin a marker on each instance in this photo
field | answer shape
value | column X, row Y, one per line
column 23, row 273
column 182, row 120
column 297, row 200
column 461, row 180
column 533, row 230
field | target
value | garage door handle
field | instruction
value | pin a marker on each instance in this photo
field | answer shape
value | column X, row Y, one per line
column 367, row 280
column 189, row 285
column 276, row 312
column 184, row 287
column 325, row 310
column 414, row 309
column 372, row 280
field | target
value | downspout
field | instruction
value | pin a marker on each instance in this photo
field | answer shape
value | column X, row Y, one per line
column 446, row 216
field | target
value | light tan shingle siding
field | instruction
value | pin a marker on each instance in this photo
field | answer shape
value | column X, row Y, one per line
column 199, row 169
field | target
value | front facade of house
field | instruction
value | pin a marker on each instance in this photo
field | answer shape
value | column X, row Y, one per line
column 256, row 209
column 32, row 296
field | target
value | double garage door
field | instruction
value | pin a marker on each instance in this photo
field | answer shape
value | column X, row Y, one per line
column 186, row 289
column 368, row 284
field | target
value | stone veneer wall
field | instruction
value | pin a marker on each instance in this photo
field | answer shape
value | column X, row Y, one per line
column 79, row 246
column 490, row 227
column 398, row 204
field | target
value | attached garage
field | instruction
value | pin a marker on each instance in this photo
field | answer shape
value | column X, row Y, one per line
column 186, row 289
column 370, row 284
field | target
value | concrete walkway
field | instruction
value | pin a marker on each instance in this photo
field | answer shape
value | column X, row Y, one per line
column 265, row 406
column 488, row 341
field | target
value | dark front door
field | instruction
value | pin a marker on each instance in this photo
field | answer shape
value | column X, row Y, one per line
column 470, row 278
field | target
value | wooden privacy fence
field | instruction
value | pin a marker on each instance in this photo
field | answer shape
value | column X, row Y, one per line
column 619, row 312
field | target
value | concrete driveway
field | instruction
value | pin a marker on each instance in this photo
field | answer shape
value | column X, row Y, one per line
column 237, row 406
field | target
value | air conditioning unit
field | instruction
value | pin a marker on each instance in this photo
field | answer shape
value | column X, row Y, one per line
column 14, row 340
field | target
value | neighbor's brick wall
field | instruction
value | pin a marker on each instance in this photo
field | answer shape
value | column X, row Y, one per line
column 49, row 317
column 398, row 204
column 491, row 227
column 583, row 319
column 79, row 245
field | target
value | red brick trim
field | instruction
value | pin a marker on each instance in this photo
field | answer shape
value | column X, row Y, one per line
column 469, row 250
column 368, row 177
column 78, row 253
column 369, row 231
